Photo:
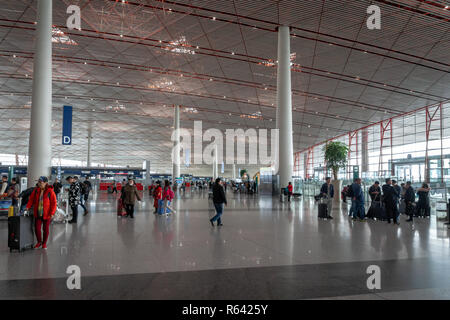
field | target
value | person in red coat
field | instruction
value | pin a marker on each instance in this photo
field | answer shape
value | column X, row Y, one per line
column 43, row 201
column 157, row 195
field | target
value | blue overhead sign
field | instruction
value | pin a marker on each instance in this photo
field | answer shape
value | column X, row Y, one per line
column 67, row 126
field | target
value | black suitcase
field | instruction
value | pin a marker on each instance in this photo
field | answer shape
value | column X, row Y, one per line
column 323, row 211
column 377, row 211
column 20, row 233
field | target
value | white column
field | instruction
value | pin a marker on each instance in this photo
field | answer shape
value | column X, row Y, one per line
column 234, row 171
column 284, row 97
column 216, row 162
column 89, row 162
column 40, row 142
column 177, row 160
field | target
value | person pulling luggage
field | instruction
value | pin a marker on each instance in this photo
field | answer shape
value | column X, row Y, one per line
column 43, row 201
column 157, row 195
column 219, row 200
column 129, row 196
column 167, row 197
column 327, row 192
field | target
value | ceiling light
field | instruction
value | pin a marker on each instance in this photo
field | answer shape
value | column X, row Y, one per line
column 232, row 53
column 446, row 7
column 214, row 18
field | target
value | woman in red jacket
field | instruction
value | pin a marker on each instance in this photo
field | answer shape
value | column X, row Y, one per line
column 43, row 201
column 157, row 195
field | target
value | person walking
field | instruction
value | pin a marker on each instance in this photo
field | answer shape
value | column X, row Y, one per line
column 389, row 197
column 87, row 188
column 114, row 187
column 167, row 197
column 327, row 192
column 157, row 195
column 43, row 201
column 129, row 196
column 410, row 199
column 82, row 193
column 219, row 200
column 57, row 186
column 74, row 198
column 358, row 201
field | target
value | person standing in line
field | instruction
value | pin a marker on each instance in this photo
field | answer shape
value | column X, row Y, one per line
column 82, row 193
column 74, row 198
column 57, row 186
column 129, row 196
column 358, row 201
column 397, row 195
column 290, row 189
column 43, row 201
column 327, row 192
column 167, row 196
column 423, row 205
column 375, row 192
column 219, row 200
column 389, row 196
column 410, row 199
column 157, row 195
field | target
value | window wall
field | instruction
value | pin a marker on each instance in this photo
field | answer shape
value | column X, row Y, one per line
column 414, row 146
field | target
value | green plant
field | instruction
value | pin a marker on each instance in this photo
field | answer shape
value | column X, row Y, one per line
column 336, row 154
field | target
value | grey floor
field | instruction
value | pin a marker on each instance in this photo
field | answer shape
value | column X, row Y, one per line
column 265, row 250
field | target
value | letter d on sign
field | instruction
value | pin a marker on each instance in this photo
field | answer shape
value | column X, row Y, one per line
column 374, row 281
column 74, row 280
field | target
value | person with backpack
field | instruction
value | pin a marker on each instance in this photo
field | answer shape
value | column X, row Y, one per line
column 57, row 186
column 87, row 188
column 43, row 201
column 167, row 197
column 83, row 191
column 358, row 201
column 129, row 195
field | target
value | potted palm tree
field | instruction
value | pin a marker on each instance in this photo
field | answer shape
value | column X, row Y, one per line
column 336, row 154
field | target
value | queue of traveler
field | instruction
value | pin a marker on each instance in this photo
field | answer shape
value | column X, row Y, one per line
column 388, row 201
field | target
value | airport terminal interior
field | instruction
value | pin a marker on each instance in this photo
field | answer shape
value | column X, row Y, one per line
column 264, row 100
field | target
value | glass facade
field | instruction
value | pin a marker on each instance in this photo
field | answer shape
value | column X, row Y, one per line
column 411, row 147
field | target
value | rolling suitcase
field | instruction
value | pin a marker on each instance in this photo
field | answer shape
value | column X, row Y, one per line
column 323, row 210
column 120, row 208
column 20, row 233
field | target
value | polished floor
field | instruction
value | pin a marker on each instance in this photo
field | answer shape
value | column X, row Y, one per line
column 265, row 250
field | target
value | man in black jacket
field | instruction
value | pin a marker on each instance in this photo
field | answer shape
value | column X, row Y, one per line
column 389, row 196
column 219, row 200
column 410, row 198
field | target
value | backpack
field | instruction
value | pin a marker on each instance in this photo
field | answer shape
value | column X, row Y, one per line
column 350, row 192
column 84, row 188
